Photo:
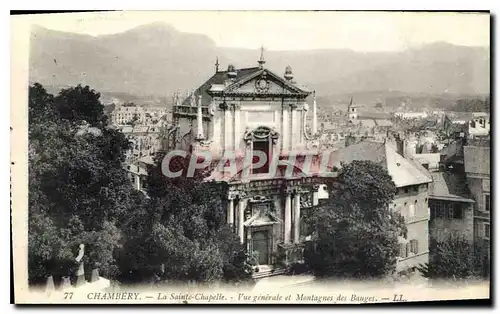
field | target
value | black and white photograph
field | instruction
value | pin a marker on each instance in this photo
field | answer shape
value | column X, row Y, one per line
column 251, row 157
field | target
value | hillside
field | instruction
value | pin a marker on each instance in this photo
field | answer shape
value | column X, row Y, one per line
column 156, row 59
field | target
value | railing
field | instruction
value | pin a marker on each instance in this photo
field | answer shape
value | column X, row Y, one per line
column 289, row 254
column 190, row 110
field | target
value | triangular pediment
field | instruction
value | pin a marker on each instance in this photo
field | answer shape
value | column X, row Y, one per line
column 265, row 82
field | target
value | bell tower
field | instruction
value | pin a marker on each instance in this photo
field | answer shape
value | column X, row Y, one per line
column 352, row 112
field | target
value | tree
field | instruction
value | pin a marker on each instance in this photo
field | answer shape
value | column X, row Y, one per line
column 456, row 259
column 80, row 103
column 78, row 191
column 183, row 236
column 356, row 232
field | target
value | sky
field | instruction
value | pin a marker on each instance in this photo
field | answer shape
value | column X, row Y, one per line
column 293, row 30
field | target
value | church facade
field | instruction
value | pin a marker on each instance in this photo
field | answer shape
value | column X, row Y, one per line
column 255, row 121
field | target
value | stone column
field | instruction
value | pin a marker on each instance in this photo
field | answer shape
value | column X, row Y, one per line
column 236, row 130
column 296, row 216
column 315, row 199
column 230, row 211
column 199, row 120
column 241, row 220
column 216, row 128
column 288, row 216
column 284, row 128
column 137, row 179
column 227, row 128
column 293, row 125
column 315, row 118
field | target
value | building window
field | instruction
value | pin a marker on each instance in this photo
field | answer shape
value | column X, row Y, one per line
column 457, row 212
column 411, row 212
column 406, row 190
column 486, row 234
column 450, row 211
column 414, row 246
column 402, row 250
column 263, row 148
column 439, row 210
column 487, row 202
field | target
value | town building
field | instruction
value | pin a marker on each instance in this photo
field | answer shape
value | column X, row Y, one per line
column 477, row 170
column 411, row 201
column 131, row 114
column 406, row 115
column 470, row 124
column 471, row 159
column 451, row 208
column 144, row 141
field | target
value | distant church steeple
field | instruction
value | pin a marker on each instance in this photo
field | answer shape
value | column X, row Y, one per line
column 217, row 65
column 261, row 60
column 351, row 111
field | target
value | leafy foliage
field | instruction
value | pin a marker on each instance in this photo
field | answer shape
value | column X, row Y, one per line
column 456, row 259
column 356, row 232
column 185, row 237
column 80, row 193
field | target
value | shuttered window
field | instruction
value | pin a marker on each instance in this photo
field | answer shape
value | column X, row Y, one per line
column 487, row 202
column 486, row 231
column 414, row 246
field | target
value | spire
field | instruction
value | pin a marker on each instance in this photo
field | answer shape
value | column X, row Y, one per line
column 261, row 60
column 217, row 64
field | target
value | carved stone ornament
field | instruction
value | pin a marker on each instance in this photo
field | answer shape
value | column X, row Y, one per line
column 223, row 105
column 211, row 108
column 192, row 100
column 260, row 133
column 262, row 85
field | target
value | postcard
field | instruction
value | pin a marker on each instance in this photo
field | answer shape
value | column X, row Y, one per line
column 251, row 157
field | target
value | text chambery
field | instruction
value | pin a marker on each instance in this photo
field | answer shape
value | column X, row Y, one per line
column 113, row 296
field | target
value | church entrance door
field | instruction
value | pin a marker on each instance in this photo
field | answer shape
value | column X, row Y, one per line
column 260, row 244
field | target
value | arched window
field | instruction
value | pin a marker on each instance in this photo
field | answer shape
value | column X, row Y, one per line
column 261, row 140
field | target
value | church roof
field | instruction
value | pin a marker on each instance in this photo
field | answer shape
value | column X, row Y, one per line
column 218, row 83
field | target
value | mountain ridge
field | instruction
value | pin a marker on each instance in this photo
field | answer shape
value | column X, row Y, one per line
column 156, row 59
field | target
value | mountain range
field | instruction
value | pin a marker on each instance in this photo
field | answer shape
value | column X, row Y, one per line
column 156, row 59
